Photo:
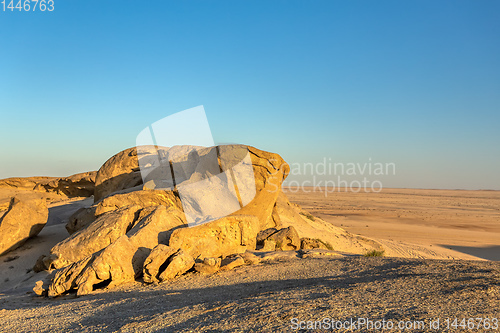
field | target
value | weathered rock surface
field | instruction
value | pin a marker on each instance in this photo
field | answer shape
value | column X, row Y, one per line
column 178, row 264
column 119, row 172
column 250, row 258
column 22, row 220
column 262, row 235
column 101, row 233
column 142, row 230
column 286, row 239
column 208, row 266
column 232, row 262
column 220, row 238
column 156, row 259
column 78, row 185
column 80, row 219
column 121, row 261
column 309, row 243
column 143, row 198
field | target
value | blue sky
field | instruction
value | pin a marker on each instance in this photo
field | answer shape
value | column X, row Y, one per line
column 415, row 83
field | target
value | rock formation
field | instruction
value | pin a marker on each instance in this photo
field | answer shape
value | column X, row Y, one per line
column 22, row 220
column 78, row 185
column 201, row 209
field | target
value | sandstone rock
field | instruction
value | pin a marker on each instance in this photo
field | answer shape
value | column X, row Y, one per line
column 178, row 264
column 262, row 235
column 125, row 257
column 80, row 219
column 250, row 258
column 38, row 289
column 277, row 256
column 23, row 219
column 232, row 262
column 119, row 172
column 102, row 232
column 156, row 259
column 269, row 245
column 208, row 266
column 228, row 235
column 318, row 253
column 309, row 243
column 143, row 198
column 121, row 261
column 78, row 185
column 286, row 239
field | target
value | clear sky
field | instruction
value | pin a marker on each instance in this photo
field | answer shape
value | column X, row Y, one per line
column 415, row 83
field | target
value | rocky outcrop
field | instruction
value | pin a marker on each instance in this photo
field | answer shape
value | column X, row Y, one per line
column 101, row 233
column 286, row 239
column 80, row 219
column 22, row 220
column 121, row 261
column 78, row 185
column 208, row 265
column 167, row 226
column 153, row 264
column 309, row 243
column 142, row 198
column 178, row 264
column 220, row 238
column 118, row 173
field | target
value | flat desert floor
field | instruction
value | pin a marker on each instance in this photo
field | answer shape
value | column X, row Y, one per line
column 276, row 296
column 464, row 224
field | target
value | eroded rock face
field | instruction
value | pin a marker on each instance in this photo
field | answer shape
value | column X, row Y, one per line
column 156, row 259
column 208, row 265
column 98, row 235
column 286, row 239
column 142, row 230
column 78, row 185
column 23, row 219
column 119, row 172
column 220, row 238
column 80, row 219
column 309, row 243
column 178, row 264
column 121, row 261
column 142, row 198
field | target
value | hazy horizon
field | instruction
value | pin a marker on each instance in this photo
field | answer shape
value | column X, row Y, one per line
column 411, row 83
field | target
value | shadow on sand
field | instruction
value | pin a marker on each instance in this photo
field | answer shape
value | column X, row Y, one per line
column 485, row 252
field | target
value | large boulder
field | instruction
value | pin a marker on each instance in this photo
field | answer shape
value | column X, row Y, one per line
column 178, row 264
column 98, row 235
column 78, row 185
column 220, row 238
column 118, row 173
column 204, row 181
column 154, row 262
column 121, row 261
column 80, row 219
column 142, row 198
column 22, row 220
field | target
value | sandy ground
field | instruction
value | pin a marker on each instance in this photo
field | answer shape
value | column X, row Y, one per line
column 266, row 297
column 459, row 224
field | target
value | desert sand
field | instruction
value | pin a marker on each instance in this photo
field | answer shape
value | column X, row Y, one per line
column 455, row 224
column 411, row 224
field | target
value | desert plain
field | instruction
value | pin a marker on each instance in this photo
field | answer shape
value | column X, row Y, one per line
column 441, row 248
